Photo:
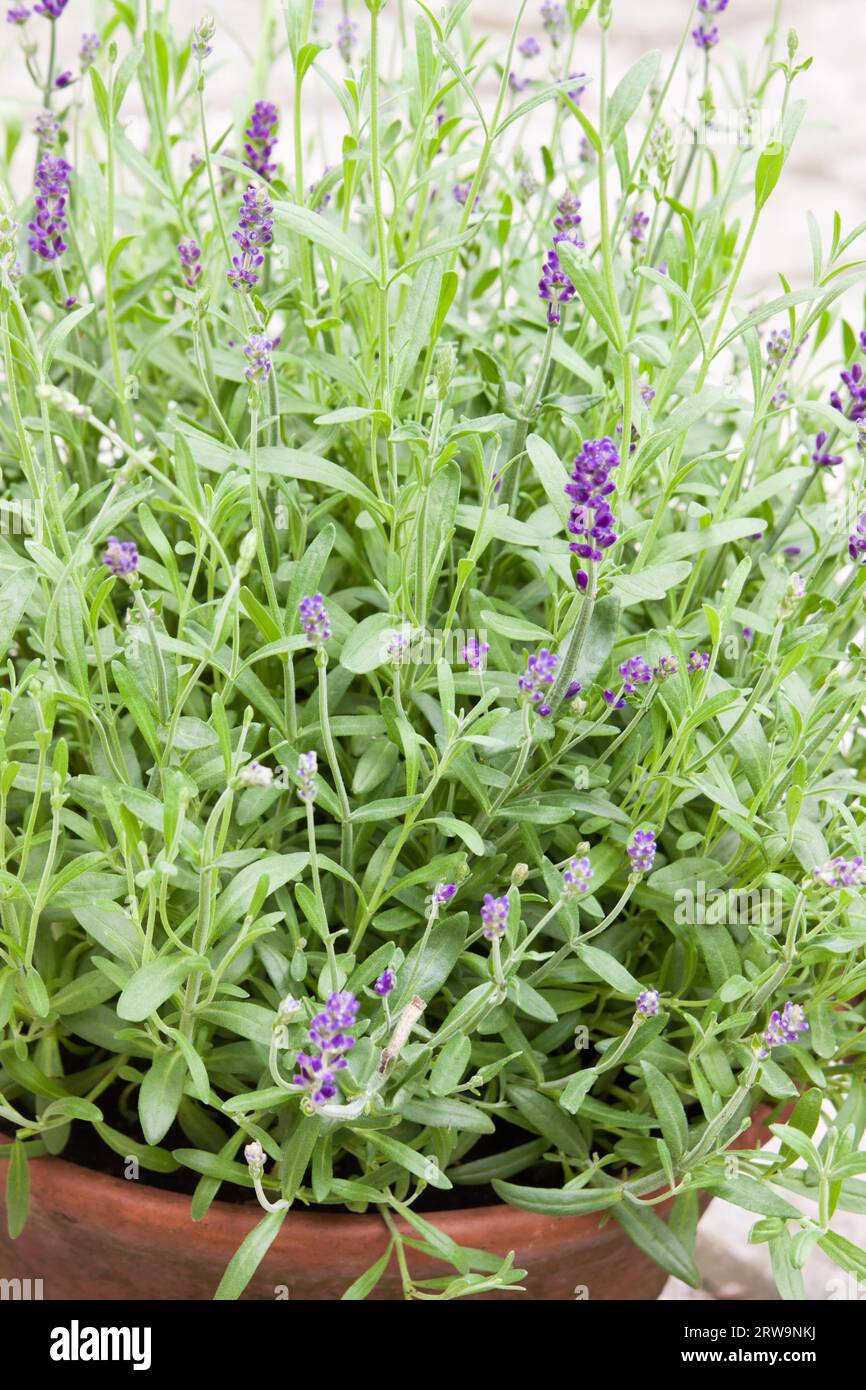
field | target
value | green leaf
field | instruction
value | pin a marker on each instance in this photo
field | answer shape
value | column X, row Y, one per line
column 656, row 1239
column 17, row 1191
column 668, row 1108
column 754, row 1196
column 628, row 95
column 602, row 964
column 448, row 1114
column 159, row 1096
column 427, row 1169
column 324, row 235
column 549, row 1201
column 249, row 1255
column 234, row 901
column 364, row 1285
column 154, row 983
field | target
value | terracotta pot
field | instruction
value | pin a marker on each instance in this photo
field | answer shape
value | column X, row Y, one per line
column 95, row 1237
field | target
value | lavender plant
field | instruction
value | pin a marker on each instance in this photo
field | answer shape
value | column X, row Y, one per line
column 420, row 588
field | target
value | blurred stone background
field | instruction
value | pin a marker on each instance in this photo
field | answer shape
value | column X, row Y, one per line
column 827, row 173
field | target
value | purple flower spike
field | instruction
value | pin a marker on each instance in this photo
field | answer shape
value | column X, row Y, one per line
column 784, row 1027
column 613, row 700
column 190, row 260
column 255, row 231
column 554, row 21
column 841, row 873
column 260, row 138
column 539, row 675
column 443, row 893
column 699, row 661
column 46, row 128
column 639, row 223
column 857, row 541
column 64, row 79
column 822, row 455
column 308, row 767
column 258, row 351
column 591, row 517
column 461, row 193
column 50, row 9
column 574, row 688
column 347, row 37
column 555, row 287
column 568, row 212
column 577, row 92
column 647, row 1002
column 121, row 557
column 635, row 672
column 577, row 877
column 18, row 14
column 474, row 653
column 385, row 983
column 667, row 667
column 90, row 46
column 642, row 851
column 706, row 38
column 52, row 192
column 529, row 47
column 331, row 1039
column 314, row 619
column 494, row 915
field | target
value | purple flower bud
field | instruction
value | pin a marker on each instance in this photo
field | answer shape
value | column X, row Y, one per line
column 46, row 128
column 823, row 456
column 554, row 21
column 347, row 37
column 699, row 661
column 857, row 541
column 190, row 260
column 706, row 38
column 64, row 79
column 555, row 287
column 841, row 873
column 590, row 487
column 257, row 351
column 667, row 667
column 443, row 893
column 637, row 229
column 577, row 877
column 494, row 915
column 540, row 674
column 50, row 9
column 461, row 192
column 308, row 768
column 18, row 14
column 385, row 983
column 121, row 557
column 568, row 212
column 256, row 775
column 635, row 672
column 90, row 46
column 642, row 851
column 474, row 653
column 647, row 1002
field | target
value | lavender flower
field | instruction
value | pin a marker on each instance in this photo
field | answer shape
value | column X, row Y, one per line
column 52, row 192
column 260, row 137
column 574, row 688
column 699, row 661
column 613, row 700
column 255, row 231
column 18, row 14
column 635, row 672
column 793, row 595
column 529, row 47
column 855, row 381
column 841, row 872
column 647, row 1002
column 190, row 260
column 256, row 775
column 461, row 192
column 202, row 36
column 385, row 983
column 777, row 346
column 639, row 223
column 527, row 184
column 568, row 212
column 857, row 541
column 667, row 667
column 576, row 92
column 706, row 38
column 46, row 128
column 474, row 653
column 591, row 517
column 577, row 877
column 90, row 46
column 347, row 37
column 539, row 675
column 308, row 767
column 642, row 851
column 712, row 6
column 784, row 1027
column 397, row 646
column 553, row 21
column 494, row 915
column 443, row 893
column 287, row 1009
column 822, row 455
column 518, row 84
column 50, row 9
column 330, row 1039
column 64, row 79
column 314, row 619
column 257, row 351
column 554, row 287
column 121, row 557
